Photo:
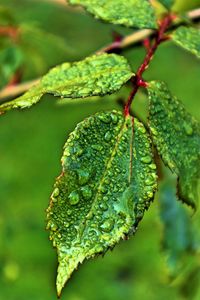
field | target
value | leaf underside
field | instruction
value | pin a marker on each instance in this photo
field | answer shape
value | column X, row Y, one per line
column 176, row 135
column 96, row 75
column 188, row 38
column 132, row 13
column 108, row 181
column 167, row 3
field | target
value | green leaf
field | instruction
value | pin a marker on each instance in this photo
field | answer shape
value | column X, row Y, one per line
column 132, row 13
column 178, row 232
column 176, row 135
column 188, row 38
column 11, row 60
column 96, row 75
column 107, row 182
column 167, row 3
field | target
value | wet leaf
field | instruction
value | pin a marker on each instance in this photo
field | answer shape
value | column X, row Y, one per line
column 133, row 13
column 188, row 38
column 107, row 182
column 96, row 75
column 176, row 135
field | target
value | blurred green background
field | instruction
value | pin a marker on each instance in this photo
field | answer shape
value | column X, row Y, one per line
column 31, row 144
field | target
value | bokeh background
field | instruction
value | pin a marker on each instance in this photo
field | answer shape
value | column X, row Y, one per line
column 31, row 144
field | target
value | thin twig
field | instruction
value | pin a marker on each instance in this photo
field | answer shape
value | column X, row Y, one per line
column 125, row 42
column 14, row 90
column 194, row 14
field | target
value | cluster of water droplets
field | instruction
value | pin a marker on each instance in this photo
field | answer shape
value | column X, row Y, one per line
column 107, row 183
column 173, row 128
column 95, row 75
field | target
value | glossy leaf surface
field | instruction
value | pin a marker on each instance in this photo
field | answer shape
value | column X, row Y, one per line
column 133, row 13
column 176, row 135
column 96, row 75
column 107, row 182
column 188, row 38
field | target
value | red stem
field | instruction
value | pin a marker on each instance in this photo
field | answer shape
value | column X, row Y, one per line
column 137, row 80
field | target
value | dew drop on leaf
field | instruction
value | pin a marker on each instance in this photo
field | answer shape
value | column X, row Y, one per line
column 74, row 198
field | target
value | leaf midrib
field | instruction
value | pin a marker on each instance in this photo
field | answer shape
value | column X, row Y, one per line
column 85, row 78
column 109, row 161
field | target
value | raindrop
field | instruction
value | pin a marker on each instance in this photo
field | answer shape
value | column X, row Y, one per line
column 105, row 119
column 188, row 129
column 114, row 118
column 97, row 147
column 103, row 206
column 77, row 150
column 83, row 177
column 107, row 136
column 74, row 198
column 107, row 225
column 146, row 159
column 56, row 192
column 86, row 192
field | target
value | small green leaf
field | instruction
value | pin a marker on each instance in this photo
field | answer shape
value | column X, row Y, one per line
column 96, row 75
column 11, row 60
column 176, row 135
column 167, row 3
column 188, row 38
column 107, row 182
column 132, row 13
column 178, row 232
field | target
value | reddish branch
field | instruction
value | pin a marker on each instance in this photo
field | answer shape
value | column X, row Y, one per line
column 9, row 31
column 118, row 44
column 137, row 80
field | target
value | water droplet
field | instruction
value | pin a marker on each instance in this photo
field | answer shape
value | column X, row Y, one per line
column 150, row 194
column 146, row 159
column 98, row 248
column 56, row 192
column 77, row 150
column 107, row 136
column 152, row 166
column 188, row 128
column 54, row 227
column 86, row 192
column 105, row 118
column 103, row 189
column 114, row 118
column 103, row 206
column 107, row 225
column 74, row 198
column 149, row 181
column 54, row 200
column 67, row 152
column 69, row 212
column 83, row 176
column 97, row 147
column 66, row 224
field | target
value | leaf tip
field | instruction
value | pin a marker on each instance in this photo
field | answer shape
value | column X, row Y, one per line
column 66, row 266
